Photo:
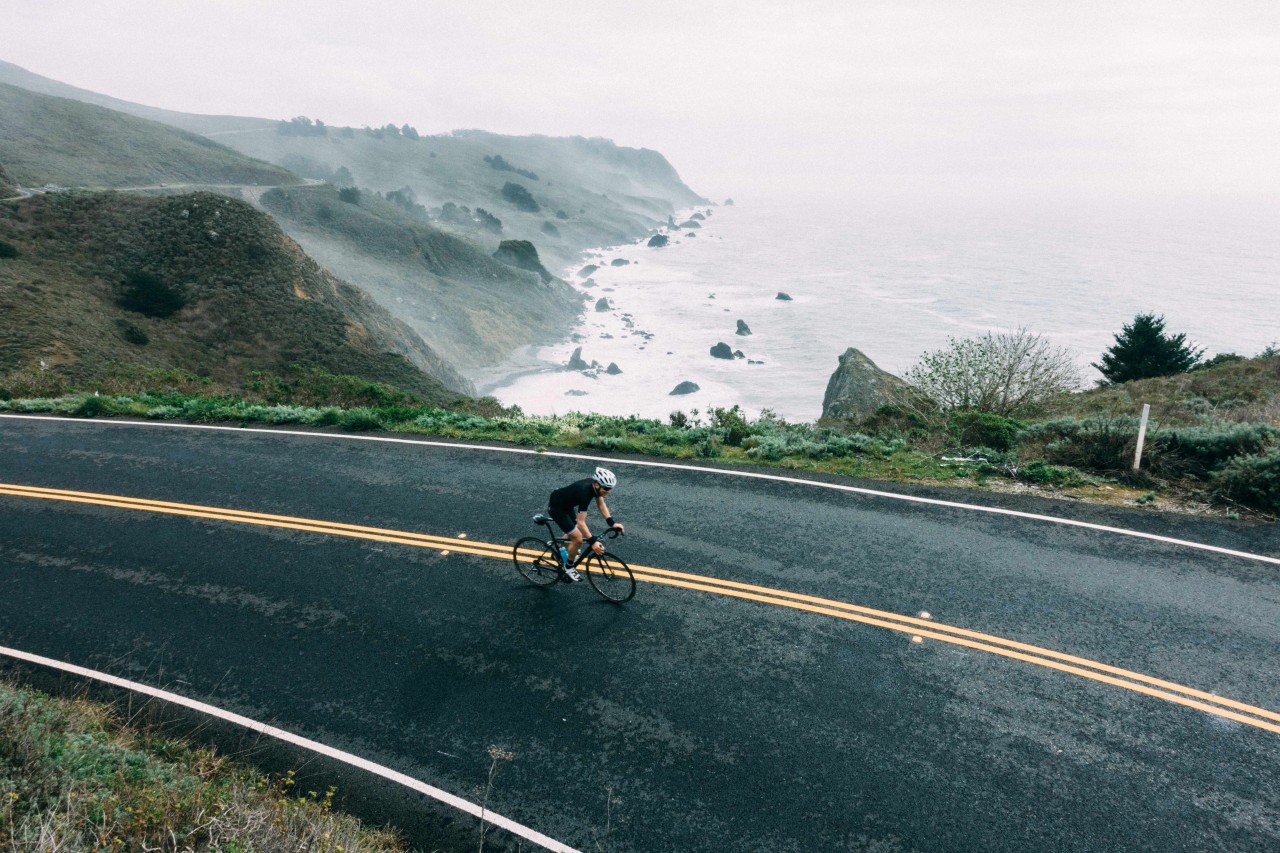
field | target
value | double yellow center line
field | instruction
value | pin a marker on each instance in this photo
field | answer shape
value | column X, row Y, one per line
column 919, row 629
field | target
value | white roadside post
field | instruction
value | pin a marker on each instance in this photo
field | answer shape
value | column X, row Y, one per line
column 1142, row 436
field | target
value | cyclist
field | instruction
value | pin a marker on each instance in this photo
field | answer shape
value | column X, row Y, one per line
column 568, row 506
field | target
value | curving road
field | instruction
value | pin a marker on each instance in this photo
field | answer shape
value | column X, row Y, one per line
column 1069, row 689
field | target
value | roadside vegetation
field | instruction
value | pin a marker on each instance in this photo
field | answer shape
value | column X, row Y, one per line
column 1213, row 443
column 76, row 777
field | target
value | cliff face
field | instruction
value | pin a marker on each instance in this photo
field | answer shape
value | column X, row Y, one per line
column 857, row 387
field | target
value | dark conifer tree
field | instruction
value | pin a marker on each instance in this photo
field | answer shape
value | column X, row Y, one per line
column 1143, row 350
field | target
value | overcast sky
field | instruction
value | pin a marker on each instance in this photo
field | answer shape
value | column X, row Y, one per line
column 845, row 96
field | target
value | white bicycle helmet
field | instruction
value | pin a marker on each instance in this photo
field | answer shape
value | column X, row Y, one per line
column 605, row 478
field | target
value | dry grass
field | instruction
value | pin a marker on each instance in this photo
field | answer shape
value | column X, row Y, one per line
column 74, row 778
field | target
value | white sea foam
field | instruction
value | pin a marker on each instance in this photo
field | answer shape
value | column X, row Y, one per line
column 894, row 284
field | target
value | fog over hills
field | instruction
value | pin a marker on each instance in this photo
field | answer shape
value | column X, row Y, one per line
column 46, row 139
column 417, row 220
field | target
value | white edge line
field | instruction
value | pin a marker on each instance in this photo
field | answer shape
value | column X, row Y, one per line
column 297, row 740
column 649, row 464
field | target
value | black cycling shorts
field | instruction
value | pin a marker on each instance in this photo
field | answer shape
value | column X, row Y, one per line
column 564, row 518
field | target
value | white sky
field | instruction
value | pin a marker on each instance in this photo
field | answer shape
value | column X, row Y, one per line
column 1003, row 97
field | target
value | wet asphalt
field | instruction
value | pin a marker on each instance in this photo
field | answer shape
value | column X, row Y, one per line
column 682, row 721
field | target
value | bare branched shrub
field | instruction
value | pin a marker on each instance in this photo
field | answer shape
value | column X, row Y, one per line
column 1006, row 373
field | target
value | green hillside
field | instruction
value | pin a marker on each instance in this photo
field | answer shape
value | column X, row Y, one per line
column 96, row 281
column 51, row 140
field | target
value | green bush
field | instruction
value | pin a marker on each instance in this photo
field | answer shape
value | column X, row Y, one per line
column 1198, row 451
column 146, row 294
column 1043, row 474
column 984, row 429
column 90, row 407
column 1253, row 480
column 7, row 250
column 732, row 426
column 359, row 419
column 1092, row 444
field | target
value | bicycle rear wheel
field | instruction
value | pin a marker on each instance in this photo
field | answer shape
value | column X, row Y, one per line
column 536, row 561
column 610, row 577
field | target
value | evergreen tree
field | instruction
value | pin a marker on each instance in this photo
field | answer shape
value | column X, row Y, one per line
column 1143, row 350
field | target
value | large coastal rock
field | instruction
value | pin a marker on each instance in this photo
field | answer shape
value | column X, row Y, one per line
column 858, row 387
column 685, row 387
column 657, row 241
column 722, row 350
column 522, row 254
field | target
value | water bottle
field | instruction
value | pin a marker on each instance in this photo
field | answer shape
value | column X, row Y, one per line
column 564, row 556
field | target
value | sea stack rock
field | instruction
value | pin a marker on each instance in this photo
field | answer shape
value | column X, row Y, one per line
column 522, row 254
column 588, row 270
column 602, row 304
column 620, row 262
column 858, row 387
column 613, row 369
column 576, row 361
column 657, row 241
column 684, row 388
column 743, row 329
column 722, row 350
column 785, row 297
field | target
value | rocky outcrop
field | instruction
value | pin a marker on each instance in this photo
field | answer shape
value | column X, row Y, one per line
column 684, row 388
column 657, row 241
column 576, row 361
column 689, row 223
column 602, row 304
column 522, row 254
column 587, row 270
column 619, row 262
column 722, row 350
column 858, row 387
column 743, row 328
column 613, row 369
column 785, row 297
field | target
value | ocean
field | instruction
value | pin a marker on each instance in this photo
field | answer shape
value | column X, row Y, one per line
column 894, row 282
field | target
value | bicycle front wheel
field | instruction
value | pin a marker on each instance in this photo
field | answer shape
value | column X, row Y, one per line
column 535, row 561
column 610, row 577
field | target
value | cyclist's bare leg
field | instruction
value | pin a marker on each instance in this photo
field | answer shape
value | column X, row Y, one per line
column 575, row 543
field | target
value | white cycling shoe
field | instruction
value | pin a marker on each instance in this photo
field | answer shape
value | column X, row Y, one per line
column 572, row 574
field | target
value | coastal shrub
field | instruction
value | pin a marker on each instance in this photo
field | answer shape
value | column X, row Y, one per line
column 1004, row 374
column 1253, row 480
column 731, row 425
column 36, row 404
column 144, row 293
column 359, row 419
column 983, row 429
column 1093, row 444
column 7, row 250
column 1040, row 473
column 164, row 413
column 90, row 407
column 1198, row 451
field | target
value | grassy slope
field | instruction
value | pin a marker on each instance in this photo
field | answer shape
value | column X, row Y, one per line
column 75, row 777
column 469, row 307
column 255, row 301
column 45, row 139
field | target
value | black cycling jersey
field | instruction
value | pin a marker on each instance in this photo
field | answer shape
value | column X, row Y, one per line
column 574, row 498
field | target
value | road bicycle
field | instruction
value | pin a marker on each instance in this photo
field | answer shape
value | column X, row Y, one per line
column 538, row 561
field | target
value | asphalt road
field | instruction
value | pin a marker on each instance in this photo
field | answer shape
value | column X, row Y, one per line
column 684, row 720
